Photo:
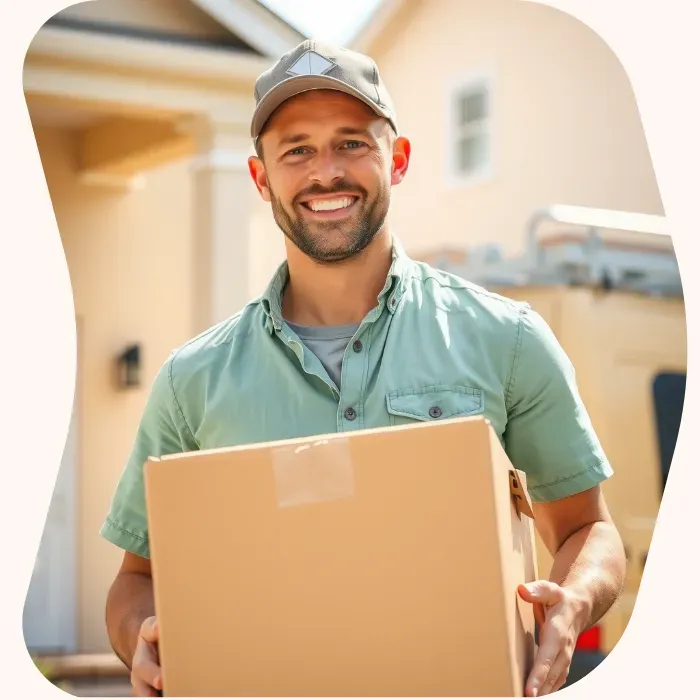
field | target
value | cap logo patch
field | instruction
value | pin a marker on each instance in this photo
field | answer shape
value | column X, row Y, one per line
column 311, row 63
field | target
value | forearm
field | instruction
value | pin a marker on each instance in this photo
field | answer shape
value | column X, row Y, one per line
column 591, row 563
column 129, row 603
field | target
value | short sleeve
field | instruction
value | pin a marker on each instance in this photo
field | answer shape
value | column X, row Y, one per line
column 549, row 434
column 161, row 431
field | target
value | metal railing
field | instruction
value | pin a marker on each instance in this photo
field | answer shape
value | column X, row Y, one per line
column 594, row 220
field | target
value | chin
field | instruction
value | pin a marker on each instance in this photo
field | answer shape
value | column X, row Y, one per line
column 344, row 252
column 334, row 255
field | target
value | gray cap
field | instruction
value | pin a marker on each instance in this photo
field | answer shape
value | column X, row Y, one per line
column 314, row 65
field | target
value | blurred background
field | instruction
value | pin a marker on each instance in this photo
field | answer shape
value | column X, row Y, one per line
column 530, row 175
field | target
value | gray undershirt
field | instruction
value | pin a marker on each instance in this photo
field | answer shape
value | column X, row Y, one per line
column 328, row 344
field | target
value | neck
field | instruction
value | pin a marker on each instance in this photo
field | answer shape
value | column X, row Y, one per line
column 336, row 294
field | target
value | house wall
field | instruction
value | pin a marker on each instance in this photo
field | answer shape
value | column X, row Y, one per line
column 566, row 124
column 267, row 245
column 128, row 256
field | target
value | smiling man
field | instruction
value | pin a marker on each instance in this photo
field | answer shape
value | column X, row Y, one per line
column 350, row 334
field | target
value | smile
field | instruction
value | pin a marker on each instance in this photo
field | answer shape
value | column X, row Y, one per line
column 328, row 205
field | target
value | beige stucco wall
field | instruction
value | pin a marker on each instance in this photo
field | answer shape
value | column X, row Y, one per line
column 567, row 129
column 129, row 260
column 267, row 244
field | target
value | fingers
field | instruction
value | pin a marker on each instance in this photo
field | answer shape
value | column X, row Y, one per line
column 559, row 682
column 562, row 679
column 146, row 676
column 557, row 674
column 141, row 689
column 149, row 630
column 539, row 674
column 145, row 668
column 552, row 643
column 555, row 616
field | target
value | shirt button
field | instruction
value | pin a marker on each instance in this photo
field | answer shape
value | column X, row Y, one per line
column 350, row 413
column 357, row 346
column 435, row 412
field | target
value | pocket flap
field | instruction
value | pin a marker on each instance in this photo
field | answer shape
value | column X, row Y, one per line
column 436, row 402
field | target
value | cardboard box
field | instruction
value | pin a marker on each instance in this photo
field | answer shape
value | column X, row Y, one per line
column 374, row 563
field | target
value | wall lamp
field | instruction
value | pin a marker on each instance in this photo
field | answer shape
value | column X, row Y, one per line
column 129, row 367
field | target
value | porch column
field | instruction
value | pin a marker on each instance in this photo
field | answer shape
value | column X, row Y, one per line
column 222, row 198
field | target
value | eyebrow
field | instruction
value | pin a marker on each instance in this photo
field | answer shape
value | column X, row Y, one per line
column 342, row 131
column 353, row 131
column 291, row 140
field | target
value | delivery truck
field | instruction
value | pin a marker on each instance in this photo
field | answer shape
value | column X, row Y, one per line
column 608, row 283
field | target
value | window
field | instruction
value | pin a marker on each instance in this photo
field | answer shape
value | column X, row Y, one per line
column 669, row 395
column 470, row 141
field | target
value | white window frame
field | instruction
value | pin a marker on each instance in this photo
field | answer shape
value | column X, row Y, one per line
column 467, row 82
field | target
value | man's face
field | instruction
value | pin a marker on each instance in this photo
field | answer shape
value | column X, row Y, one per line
column 328, row 164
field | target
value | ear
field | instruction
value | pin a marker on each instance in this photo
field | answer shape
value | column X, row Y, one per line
column 257, row 171
column 400, row 159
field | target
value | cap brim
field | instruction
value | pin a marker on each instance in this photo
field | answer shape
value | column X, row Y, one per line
column 303, row 83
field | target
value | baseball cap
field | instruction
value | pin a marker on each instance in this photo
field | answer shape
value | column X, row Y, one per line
column 316, row 65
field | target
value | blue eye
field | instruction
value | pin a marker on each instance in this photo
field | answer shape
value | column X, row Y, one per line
column 355, row 144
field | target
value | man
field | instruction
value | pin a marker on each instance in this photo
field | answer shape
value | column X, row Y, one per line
column 353, row 334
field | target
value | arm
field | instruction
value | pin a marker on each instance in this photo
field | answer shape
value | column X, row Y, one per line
column 587, row 576
column 549, row 436
column 129, row 604
column 130, row 609
column 131, row 625
column 589, row 558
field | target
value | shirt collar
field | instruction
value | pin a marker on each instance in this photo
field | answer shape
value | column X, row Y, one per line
column 388, row 298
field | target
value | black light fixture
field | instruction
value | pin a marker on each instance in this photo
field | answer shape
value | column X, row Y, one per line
column 129, row 365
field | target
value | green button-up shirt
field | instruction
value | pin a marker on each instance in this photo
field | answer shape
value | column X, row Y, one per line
column 434, row 347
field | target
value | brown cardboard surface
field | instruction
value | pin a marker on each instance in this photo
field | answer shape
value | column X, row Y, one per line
column 375, row 563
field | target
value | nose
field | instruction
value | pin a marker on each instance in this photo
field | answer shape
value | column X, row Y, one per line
column 326, row 168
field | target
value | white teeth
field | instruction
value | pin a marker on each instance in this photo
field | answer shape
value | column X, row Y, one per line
column 330, row 204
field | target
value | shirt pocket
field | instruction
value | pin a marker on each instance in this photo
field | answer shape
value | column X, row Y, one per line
column 433, row 403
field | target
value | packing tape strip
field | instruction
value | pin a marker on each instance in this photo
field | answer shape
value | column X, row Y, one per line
column 316, row 472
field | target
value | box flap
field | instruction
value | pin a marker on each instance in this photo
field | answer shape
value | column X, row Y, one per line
column 523, row 503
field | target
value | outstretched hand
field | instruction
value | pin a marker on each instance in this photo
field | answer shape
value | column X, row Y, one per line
column 558, row 612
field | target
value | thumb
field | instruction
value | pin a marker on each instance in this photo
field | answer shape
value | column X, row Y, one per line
column 543, row 592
